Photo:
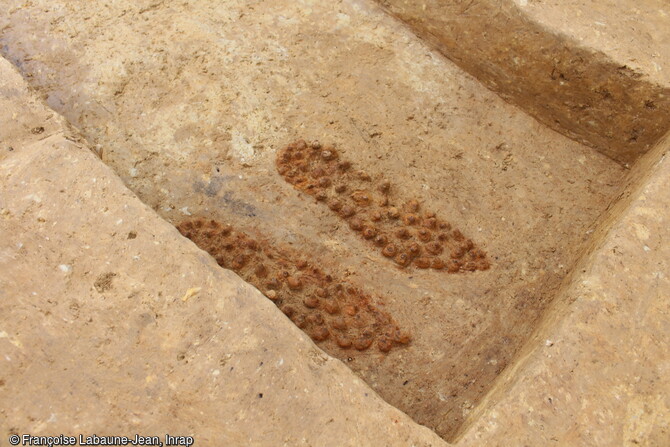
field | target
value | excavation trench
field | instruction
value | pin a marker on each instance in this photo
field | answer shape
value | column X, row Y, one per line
column 194, row 104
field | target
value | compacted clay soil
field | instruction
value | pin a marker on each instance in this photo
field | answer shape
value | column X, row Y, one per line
column 195, row 104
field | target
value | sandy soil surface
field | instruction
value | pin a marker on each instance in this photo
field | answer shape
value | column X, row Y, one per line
column 583, row 68
column 112, row 323
column 634, row 34
column 190, row 104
